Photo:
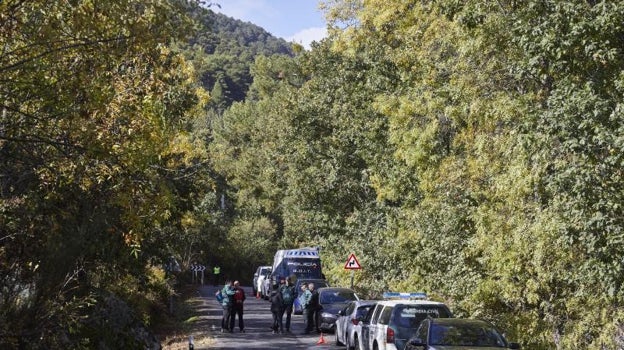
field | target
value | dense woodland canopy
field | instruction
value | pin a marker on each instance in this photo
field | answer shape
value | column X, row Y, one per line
column 470, row 149
column 103, row 175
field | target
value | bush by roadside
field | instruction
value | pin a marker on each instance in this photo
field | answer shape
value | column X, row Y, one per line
column 174, row 330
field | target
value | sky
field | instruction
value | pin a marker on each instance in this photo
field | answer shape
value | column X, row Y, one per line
column 293, row 20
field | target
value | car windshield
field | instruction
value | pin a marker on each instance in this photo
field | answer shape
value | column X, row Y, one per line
column 410, row 316
column 465, row 335
column 336, row 296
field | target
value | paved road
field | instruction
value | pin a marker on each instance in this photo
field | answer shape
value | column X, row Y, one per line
column 257, row 334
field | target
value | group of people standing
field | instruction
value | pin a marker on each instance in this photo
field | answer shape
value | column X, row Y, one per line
column 309, row 300
column 232, row 297
column 282, row 298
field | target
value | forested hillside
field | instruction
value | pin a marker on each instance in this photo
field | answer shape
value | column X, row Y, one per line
column 223, row 50
column 470, row 149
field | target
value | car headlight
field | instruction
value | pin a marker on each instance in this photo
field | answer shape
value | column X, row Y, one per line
column 327, row 315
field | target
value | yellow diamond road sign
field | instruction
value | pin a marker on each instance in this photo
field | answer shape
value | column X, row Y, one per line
column 352, row 263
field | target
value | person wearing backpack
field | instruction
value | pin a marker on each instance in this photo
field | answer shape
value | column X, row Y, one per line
column 237, row 307
column 276, row 308
column 227, row 302
column 287, row 290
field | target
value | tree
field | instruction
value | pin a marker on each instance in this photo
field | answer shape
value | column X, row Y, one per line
column 501, row 124
column 94, row 105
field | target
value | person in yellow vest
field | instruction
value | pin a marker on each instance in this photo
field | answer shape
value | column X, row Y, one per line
column 216, row 272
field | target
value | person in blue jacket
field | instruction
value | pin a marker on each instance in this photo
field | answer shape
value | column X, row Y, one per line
column 228, row 305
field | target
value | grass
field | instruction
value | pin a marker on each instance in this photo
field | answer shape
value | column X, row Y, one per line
column 174, row 330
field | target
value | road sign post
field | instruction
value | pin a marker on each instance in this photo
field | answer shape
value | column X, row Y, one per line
column 196, row 269
column 352, row 264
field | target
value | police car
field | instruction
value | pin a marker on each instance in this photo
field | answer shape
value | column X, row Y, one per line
column 396, row 318
column 349, row 323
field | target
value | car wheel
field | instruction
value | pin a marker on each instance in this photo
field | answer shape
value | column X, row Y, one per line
column 356, row 343
column 338, row 342
column 375, row 347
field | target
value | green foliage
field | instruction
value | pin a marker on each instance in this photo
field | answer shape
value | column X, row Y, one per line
column 505, row 121
column 94, row 107
column 470, row 149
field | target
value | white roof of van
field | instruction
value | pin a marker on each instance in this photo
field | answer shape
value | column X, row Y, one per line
column 301, row 253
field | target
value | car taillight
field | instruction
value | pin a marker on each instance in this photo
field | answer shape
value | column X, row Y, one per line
column 355, row 321
column 390, row 335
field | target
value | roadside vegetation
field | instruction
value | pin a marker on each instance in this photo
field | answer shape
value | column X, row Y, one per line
column 174, row 330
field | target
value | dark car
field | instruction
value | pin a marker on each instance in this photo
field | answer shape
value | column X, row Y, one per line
column 332, row 300
column 349, row 323
column 318, row 283
column 458, row 334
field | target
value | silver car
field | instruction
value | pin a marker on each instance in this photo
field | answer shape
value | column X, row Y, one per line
column 349, row 323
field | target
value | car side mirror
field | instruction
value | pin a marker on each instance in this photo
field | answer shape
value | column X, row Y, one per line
column 514, row 346
column 417, row 342
column 255, row 274
column 340, row 313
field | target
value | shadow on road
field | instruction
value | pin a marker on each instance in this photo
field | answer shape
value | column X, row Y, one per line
column 257, row 318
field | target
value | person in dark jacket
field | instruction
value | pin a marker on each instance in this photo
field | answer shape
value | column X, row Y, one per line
column 276, row 308
column 288, row 298
column 237, row 307
column 311, row 309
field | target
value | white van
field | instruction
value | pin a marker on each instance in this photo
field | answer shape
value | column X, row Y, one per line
column 262, row 272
